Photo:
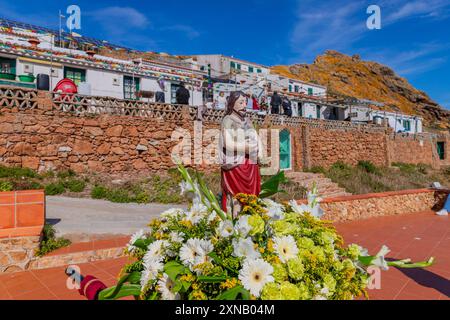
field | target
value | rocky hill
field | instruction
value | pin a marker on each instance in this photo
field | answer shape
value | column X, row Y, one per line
column 350, row 77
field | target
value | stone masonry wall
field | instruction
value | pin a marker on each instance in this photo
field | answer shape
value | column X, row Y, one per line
column 410, row 150
column 328, row 146
column 43, row 138
column 16, row 254
column 382, row 204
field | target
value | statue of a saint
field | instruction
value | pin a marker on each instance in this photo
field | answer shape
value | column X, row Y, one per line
column 238, row 150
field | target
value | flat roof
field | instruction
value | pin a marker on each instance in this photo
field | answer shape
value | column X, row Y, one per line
column 233, row 58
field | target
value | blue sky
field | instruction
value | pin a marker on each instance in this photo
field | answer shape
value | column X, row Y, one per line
column 414, row 39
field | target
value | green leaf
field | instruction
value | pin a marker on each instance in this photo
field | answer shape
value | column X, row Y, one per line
column 408, row 264
column 212, row 279
column 173, row 269
column 140, row 243
column 233, row 293
column 129, row 277
column 153, row 296
column 125, row 290
column 271, row 186
column 366, row 260
column 186, row 285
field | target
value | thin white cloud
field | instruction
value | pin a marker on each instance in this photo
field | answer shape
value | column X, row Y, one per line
column 187, row 30
column 118, row 20
column 418, row 8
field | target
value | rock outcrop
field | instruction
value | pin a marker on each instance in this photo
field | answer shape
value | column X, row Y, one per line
column 350, row 77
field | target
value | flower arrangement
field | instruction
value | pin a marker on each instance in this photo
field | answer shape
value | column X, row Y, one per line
column 271, row 251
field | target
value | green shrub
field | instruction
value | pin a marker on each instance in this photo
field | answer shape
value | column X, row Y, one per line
column 6, row 186
column 75, row 185
column 49, row 243
column 66, row 174
column 339, row 165
column 54, row 189
column 142, row 197
column 99, row 192
column 407, row 168
column 119, row 196
column 14, row 172
column 26, row 185
column 368, row 166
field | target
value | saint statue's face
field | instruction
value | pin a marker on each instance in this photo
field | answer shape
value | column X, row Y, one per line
column 240, row 104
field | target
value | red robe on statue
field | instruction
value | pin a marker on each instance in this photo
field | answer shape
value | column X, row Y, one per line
column 244, row 178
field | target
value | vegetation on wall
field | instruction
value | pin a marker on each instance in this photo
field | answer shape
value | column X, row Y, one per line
column 50, row 242
column 368, row 178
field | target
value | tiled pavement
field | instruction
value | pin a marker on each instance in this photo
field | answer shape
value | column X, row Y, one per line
column 415, row 236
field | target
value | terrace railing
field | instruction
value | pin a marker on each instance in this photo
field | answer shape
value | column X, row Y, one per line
column 14, row 97
column 81, row 105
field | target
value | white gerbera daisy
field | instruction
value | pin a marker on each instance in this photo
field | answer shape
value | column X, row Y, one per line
column 176, row 237
column 274, row 209
column 135, row 237
column 255, row 274
column 190, row 252
column 285, row 247
column 151, row 270
column 172, row 213
column 165, row 287
column 225, row 229
column 197, row 212
column 242, row 226
column 245, row 248
column 156, row 250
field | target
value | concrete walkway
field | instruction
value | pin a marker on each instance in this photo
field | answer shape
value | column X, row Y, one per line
column 72, row 216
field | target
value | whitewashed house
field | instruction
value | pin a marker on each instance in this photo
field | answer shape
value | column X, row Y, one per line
column 94, row 74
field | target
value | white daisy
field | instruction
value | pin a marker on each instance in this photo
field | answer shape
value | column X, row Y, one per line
column 255, row 274
column 225, row 229
column 195, row 251
column 245, row 248
column 172, row 213
column 197, row 212
column 151, row 270
column 285, row 247
column 274, row 209
column 165, row 287
column 135, row 237
column 242, row 226
column 156, row 250
column 176, row 237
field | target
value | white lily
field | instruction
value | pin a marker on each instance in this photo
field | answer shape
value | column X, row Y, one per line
column 379, row 259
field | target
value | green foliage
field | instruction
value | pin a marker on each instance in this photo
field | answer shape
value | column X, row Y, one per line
column 405, row 167
column 14, row 172
column 49, row 242
column 446, row 171
column 272, row 185
column 368, row 166
column 119, row 195
column 6, row 186
column 66, row 174
column 54, row 189
column 75, row 185
column 142, row 197
column 99, row 192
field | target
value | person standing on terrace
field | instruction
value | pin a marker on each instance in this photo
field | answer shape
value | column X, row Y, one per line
column 182, row 95
column 275, row 103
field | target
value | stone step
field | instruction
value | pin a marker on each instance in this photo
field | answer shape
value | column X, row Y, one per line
column 325, row 186
column 82, row 252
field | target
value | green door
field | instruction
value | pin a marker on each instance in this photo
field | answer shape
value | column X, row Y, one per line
column 285, row 150
column 440, row 150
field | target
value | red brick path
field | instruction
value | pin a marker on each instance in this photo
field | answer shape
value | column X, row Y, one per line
column 416, row 236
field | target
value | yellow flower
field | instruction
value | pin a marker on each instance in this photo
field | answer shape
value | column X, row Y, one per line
column 270, row 245
column 229, row 283
column 186, row 223
column 199, row 295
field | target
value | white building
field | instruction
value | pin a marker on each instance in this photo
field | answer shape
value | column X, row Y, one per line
column 95, row 75
column 224, row 67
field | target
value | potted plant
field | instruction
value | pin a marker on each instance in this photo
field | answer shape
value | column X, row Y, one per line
column 34, row 42
column 27, row 77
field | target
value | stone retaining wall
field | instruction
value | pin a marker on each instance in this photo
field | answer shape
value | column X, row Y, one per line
column 360, row 207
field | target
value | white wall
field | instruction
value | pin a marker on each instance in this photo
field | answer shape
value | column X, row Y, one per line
column 102, row 83
column 40, row 69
